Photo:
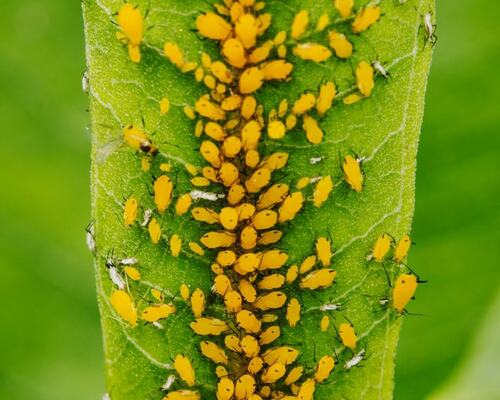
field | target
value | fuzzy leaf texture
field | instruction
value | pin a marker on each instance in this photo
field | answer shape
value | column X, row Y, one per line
column 383, row 129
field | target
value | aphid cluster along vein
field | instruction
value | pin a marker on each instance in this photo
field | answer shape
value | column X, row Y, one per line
column 255, row 285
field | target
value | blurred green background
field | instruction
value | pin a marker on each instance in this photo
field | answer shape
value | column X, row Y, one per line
column 50, row 345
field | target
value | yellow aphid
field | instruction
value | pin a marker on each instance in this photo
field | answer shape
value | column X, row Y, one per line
column 200, row 181
column 221, row 285
column 183, row 395
column 234, row 52
column 137, row 139
column 174, row 54
column 303, row 182
column 206, row 60
column 290, row 207
column 292, row 274
column 197, row 302
column 220, row 371
column 307, row 264
column 124, row 306
column 402, row 248
column 250, row 346
column 163, row 188
column 228, row 174
column 313, row 131
column 265, row 219
column 215, row 131
column 269, row 318
column 273, row 259
column 221, row 72
column 226, row 258
column 232, row 301
column 154, row 230
column 246, row 30
column 366, row 18
column 284, row 355
column 352, row 173
column 275, row 161
column 247, row 290
column 248, row 237
column 231, row 146
column 183, row 204
column 324, row 251
column 290, row 122
column 203, row 214
column 231, row 103
column 347, row 335
column 269, row 335
column 232, row 342
column 312, row 52
column 327, row 93
column 132, row 273
column 319, row 279
column 157, row 312
column 188, row 67
column 184, row 292
column 322, row 190
column 270, row 301
column 269, row 237
column 274, row 195
column 265, row 391
column 217, row 269
column 214, row 240
column 146, row 163
column 276, row 129
column 277, row 70
column 264, row 22
column 185, row 370
column 279, row 38
column 189, row 111
column 260, row 53
column 304, row 103
column 211, row 153
column 258, row 180
column 208, row 326
column 245, row 387
column 158, row 295
column 306, row 391
column 164, row 106
column 209, row 110
column 282, row 51
column 293, row 312
column 191, row 169
column 364, row 78
column 247, row 321
column 130, row 211
column 131, row 25
column 353, row 98
column 245, row 211
column 323, row 22
column 294, row 375
column 212, row 26
column 213, row 352
column 196, row 248
column 251, row 80
column 273, row 373
column 324, row 323
column 324, row 368
column 299, row 24
column 270, row 282
column 250, row 135
column 248, row 107
column 228, row 218
column 344, row 7
column 403, row 292
column 247, row 263
column 225, row 389
column 340, row 44
column 199, row 73
column 252, row 158
column 381, row 247
column 209, row 82
column 165, row 167
column 255, row 365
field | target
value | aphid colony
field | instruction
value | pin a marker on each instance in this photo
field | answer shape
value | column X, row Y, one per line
column 253, row 279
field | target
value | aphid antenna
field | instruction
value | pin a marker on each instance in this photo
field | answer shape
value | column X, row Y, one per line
column 348, row 320
column 386, row 274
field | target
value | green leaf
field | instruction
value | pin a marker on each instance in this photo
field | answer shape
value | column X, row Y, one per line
column 383, row 128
